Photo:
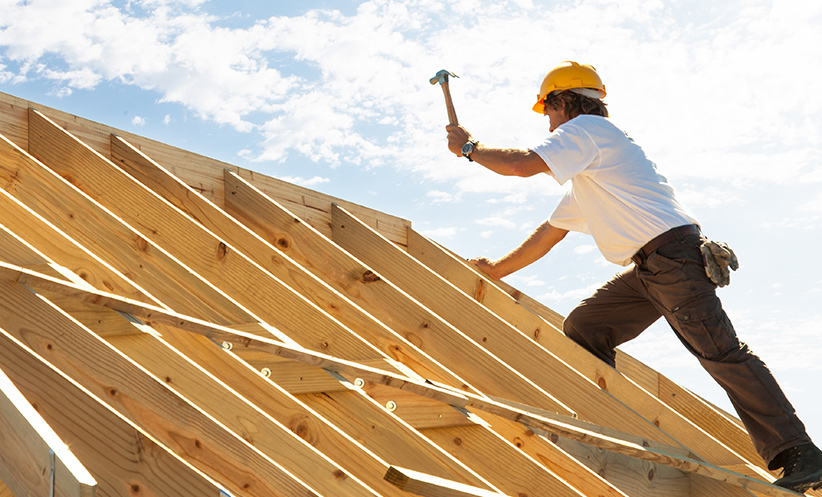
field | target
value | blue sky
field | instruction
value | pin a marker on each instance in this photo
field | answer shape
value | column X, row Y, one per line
column 334, row 95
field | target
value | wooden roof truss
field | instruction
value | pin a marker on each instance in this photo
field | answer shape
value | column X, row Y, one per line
column 182, row 326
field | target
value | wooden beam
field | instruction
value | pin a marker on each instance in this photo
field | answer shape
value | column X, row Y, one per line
column 416, row 410
column 142, row 399
column 430, row 486
column 45, row 244
column 202, row 173
column 690, row 420
column 222, row 267
column 381, row 298
column 239, row 414
column 123, row 459
column 42, row 191
column 275, row 262
column 355, row 433
column 538, row 420
column 33, row 458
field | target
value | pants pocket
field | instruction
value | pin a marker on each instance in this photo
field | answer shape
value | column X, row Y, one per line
column 704, row 328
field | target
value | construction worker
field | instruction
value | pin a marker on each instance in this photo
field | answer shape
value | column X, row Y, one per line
column 618, row 197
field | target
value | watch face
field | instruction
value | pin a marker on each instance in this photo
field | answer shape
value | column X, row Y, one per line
column 467, row 148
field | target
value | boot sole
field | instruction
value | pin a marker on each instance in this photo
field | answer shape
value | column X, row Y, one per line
column 814, row 483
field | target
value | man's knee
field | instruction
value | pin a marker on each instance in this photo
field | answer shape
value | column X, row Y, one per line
column 590, row 337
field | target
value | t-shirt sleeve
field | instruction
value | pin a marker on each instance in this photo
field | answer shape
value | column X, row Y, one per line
column 568, row 215
column 567, row 151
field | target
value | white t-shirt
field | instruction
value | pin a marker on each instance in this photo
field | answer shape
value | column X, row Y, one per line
column 616, row 195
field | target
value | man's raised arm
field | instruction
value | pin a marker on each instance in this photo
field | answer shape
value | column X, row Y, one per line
column 505, row 161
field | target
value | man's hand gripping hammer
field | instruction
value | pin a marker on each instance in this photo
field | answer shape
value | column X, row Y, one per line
column 442, row 78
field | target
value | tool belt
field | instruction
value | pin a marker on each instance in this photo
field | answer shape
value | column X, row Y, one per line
column 665, row 238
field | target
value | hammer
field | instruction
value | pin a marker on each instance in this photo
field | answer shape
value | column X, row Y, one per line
column 442, row 78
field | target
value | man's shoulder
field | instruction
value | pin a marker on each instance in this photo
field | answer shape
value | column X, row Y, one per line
column 598, row 126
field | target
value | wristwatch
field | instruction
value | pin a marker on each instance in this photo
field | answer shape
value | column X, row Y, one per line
column 468, row 149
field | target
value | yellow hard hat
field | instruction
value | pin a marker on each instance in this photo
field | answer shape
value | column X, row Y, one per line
column 567, row 76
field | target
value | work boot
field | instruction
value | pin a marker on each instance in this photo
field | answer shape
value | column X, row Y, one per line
column 801, row 468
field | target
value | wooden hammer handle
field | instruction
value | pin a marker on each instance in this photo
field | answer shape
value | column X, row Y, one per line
column 449, row 105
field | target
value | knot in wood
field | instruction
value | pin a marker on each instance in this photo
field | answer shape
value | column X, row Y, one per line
column 142, row 244
column 222, row 251
column 369, row 277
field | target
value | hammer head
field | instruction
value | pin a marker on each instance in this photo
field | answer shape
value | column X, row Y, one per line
column 442, row 77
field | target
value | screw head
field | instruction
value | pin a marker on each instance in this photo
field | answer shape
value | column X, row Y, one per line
column 266, row 372
column 228, row 345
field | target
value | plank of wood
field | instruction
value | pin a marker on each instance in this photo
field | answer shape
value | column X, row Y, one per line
column 689, row 421
column 222, row 267
column 144, row 400
column 33, row 458
column 261, row 345
column 17, row 251
column 50, row 245
column 354, row 431
column 268, row 257
column 573, row 467
column 388, row 437
column 510, row 470
column 418, row 411
column 537, row 420
column 202, row 173
column 431, row 486
column 124, row 460
column 380, row 298
column 239, row 414
column 85, row 221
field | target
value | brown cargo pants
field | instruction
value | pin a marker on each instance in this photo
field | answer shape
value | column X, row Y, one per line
column 671, row 282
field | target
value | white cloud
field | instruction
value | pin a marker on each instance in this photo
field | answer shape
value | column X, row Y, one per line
column 353, row 89
column 813, row 206
column 138, row 121
column 497, row 221
column 307, row 182
column 439, row 197
column 575, row 294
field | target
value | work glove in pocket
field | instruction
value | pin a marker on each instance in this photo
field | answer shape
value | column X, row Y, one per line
column 719, row 261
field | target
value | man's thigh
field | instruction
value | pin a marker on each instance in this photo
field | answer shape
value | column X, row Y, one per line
column 676, row 282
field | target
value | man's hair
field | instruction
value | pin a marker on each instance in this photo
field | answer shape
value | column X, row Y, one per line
column 576, row 104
